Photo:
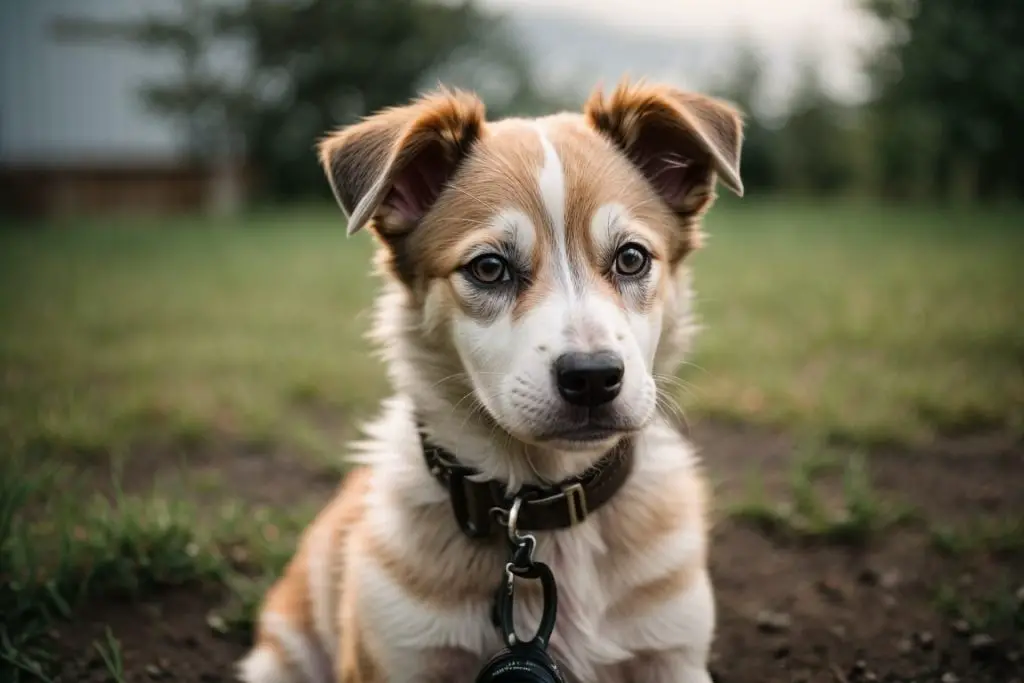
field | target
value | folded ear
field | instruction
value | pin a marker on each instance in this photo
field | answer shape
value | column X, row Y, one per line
column 391, row 167
column 680, row 141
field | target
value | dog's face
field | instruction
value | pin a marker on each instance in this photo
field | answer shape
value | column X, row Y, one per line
column 547, row 250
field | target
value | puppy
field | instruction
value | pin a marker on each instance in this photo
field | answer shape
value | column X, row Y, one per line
column 535, row 306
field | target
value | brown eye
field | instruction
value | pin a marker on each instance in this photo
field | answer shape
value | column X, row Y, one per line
column 488, row 269
column 632, row 260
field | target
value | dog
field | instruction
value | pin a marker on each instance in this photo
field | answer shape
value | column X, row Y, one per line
column 536, row 304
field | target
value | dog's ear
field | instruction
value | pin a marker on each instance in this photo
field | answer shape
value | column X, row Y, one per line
column 390, row 168
column 680, row 141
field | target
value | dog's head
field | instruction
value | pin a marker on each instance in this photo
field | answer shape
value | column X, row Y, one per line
column 546, row 253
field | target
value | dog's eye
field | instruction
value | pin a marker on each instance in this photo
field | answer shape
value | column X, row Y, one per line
column 632, row 260
column 489, row 269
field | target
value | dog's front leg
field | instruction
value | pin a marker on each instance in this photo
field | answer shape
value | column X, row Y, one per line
column 670, row 639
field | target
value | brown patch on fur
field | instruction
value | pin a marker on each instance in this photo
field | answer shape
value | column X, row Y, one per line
column 437, row 583
column 681, row 142
column 291, row 597
column 530, row 298
column 356, row 662
column 388, row 170
column 656, row 592
column 500, row 175
column 638, row 523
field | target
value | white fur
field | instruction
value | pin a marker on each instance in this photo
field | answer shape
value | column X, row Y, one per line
column 406, row 625
column 551, row 183
column 606, row 222
column 586, row 640
column 510, row 360
column 262, row 665
column 306, row 655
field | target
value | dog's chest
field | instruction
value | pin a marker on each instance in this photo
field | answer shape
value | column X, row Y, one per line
column 579, row 643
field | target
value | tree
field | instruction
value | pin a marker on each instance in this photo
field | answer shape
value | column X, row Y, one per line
column 817, row 141
column 311, row 65
column 950, row 85
column 323, row 63
column 760, row 142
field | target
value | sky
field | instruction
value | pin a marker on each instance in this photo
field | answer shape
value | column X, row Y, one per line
column 830, row 19
column 834, row 29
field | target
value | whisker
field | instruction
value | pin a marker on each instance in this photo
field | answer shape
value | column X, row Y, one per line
column 690, row 364
column 669, row 405
column 479, row 201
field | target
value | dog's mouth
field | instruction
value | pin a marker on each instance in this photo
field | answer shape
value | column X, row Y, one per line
column 583, row 435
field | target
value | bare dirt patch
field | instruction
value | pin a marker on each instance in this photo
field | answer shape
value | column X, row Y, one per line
column 790, row 609
column 164, row 638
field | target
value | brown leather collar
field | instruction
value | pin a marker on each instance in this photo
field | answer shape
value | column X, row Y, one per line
column 479, row 505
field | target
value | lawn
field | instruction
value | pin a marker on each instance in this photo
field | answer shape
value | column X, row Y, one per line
column 127, row 345
column 858, row 321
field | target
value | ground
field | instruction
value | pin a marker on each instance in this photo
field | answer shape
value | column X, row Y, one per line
column 174, row 398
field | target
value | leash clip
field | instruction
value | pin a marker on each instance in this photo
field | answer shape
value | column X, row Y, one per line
column 522, row 565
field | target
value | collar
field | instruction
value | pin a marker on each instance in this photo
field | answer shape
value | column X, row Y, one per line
column 479, row 505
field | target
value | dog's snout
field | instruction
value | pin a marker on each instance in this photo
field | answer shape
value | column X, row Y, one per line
column 589, row 379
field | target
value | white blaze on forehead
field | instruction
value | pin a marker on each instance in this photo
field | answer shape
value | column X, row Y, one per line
column 551, row 183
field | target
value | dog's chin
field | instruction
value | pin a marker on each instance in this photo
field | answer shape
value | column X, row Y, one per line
column 588, row 437
column 583, row 440
column 568, row 428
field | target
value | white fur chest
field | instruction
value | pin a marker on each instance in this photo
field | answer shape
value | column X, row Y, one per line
column 580, row 642
column 597, row 565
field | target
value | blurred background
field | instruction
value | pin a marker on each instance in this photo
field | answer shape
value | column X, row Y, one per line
column 182, row 319
column 186, row 104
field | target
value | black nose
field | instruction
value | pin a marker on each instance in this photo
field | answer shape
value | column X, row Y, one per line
column 589, row 379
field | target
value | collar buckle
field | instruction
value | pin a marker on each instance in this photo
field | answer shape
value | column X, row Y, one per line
column 466, row 505
column 576, row 500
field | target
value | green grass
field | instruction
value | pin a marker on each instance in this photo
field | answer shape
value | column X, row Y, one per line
column 110, row 652
column 998, row 536
column 136, row 340
column 869, row 323
column 804, row 512
column 876, row 324
column 57, row 552
column 996, row 607
column 179, row 334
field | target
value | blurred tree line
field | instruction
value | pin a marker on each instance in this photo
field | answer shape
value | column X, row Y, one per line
column 943, row 121
column 309, row 66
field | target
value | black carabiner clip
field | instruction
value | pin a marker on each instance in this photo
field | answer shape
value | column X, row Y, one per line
column 536, row 571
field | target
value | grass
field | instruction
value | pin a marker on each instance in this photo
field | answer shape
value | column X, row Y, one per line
column 57, row 553
column 884, row 325
column 807, row 511
column 994, row 608
column 182, row 335
column 141, row 341
column 998, row 536
column 868, row 323
column 110, row 653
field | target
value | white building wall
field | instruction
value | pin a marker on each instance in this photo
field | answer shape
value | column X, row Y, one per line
column 75, row 102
